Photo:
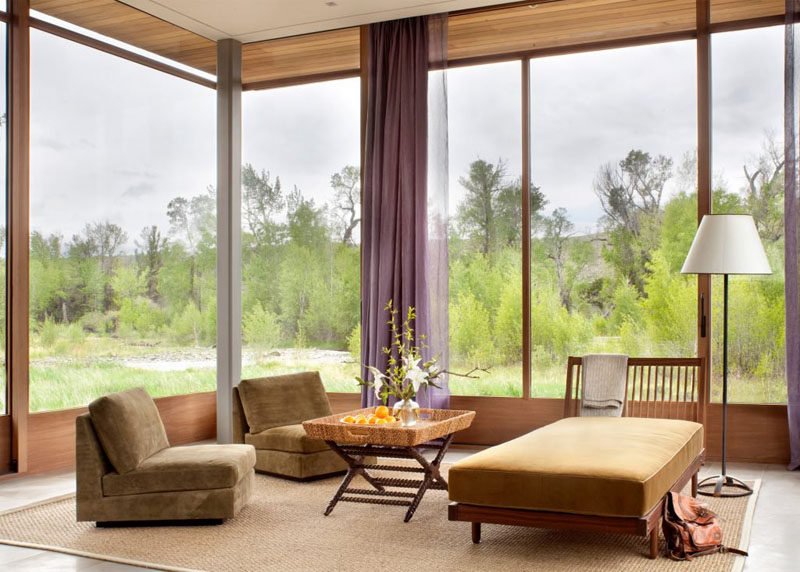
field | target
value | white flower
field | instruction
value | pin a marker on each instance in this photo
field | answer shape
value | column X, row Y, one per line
column 417, row 376
column 378, row 379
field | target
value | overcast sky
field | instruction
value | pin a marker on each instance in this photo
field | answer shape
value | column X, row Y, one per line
column 114, row 140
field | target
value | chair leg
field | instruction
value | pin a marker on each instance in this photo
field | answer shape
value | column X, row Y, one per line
column 476, row 532
column 654, row 543
column 694, row 485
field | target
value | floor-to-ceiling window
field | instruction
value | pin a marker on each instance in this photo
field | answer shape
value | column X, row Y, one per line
column 123, row 233
column 485, row 243
column 747, row 71
column 3, row 219
column 301, row 215
column 614, row 206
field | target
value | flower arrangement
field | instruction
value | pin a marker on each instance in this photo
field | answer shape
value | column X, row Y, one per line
column 406, row 373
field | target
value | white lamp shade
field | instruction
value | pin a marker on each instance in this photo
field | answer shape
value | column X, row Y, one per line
column 726, row 244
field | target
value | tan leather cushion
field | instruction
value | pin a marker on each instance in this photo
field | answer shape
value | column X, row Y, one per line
column 129, row 427
column 283, row 400
column 289, row 438
column 190, row 468
column 584, row 465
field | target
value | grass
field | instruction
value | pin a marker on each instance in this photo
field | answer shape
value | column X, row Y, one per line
column 73, row 374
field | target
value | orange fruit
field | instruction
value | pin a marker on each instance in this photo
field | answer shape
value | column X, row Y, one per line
column 382, row 412
column 361, row 421
column 359, row 416
column 381, row 422
column 390, row 419
column 373, row 420
column 349, row 419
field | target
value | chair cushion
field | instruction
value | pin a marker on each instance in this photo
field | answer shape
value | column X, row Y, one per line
column 289, row 438
column 283, row 400
column 189, row 468
column 584, row 465
column 129, row 428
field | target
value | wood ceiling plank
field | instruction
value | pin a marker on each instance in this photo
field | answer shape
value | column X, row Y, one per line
column 126, row 24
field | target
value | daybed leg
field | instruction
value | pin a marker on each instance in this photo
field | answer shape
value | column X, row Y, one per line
column 654, row 543
column 476, row 532
column 694, row 485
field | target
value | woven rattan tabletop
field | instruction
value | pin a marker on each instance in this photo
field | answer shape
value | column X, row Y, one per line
column 433, row 424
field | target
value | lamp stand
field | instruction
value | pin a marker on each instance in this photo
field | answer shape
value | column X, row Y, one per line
column 723, row 480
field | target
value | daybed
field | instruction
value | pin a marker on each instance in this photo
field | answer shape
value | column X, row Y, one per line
column 593, row 473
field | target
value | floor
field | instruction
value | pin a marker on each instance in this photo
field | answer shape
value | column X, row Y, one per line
column 774, row 537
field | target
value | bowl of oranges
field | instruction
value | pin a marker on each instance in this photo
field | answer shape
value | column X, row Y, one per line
column 380, row 417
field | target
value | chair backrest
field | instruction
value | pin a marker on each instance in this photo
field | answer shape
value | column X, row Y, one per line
column 129, row 427
column 668, row 388
column 283, row 400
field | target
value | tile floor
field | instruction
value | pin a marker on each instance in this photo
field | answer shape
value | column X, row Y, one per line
column 774, row 539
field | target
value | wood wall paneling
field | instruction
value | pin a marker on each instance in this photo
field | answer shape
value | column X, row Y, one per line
column 298, row 59
column 5, row 443
column 756, row 433
column 127, row 24
column 51, row 435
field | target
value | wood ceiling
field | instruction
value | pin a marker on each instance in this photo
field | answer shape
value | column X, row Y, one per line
column 121, row 22
column 473, row 35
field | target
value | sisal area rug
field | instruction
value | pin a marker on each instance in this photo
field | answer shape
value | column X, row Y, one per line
column 283, row 529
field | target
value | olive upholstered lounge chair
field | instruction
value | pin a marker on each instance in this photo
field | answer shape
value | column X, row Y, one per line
column 268, row 413
column 127, row 473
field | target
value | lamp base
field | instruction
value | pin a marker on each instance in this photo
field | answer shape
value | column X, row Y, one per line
column 719, row 481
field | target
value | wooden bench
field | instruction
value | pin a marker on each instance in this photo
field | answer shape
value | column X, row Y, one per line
column 664, row 388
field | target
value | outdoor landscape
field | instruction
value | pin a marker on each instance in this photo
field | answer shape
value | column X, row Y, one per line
column 110, row 311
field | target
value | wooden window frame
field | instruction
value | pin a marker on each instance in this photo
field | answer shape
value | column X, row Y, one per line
column 192, row 416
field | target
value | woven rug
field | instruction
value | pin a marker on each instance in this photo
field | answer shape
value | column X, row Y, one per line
column 283, row 528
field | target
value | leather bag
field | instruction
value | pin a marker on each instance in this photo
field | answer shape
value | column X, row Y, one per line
column 691, row 529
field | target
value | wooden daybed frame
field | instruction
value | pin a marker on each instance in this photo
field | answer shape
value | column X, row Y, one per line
column 672, row 388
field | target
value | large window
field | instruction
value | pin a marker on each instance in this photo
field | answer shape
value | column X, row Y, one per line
column 485, row 204
column 3, row 219
column 614, row 206
column 748, row 167
column 301, row 211
column 123, row 232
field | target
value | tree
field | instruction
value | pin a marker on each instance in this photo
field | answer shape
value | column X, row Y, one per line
column 632, row 187
column 307, row 226
column 764, row 192
column 346, row 185
column 262, row 201
column 557, row 232
column 193, row 223
column 476, row 214
column 630, row 194
column 150, row 256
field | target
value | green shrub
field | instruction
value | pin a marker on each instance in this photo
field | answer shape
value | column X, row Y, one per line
column 354, row 343
column 187, row 327
column 260, row 327
column 470, row 332
column 94, row 322
column 139, row 315
column 48, row 332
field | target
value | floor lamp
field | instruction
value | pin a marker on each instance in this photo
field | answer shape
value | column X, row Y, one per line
column 726, row 244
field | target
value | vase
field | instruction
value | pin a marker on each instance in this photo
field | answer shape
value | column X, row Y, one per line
column 407, row 411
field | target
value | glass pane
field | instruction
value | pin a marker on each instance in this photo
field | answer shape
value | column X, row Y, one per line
column 123, row 233
column 485, row 205
column 3, row 241
column 748, row 168
column 301, row 209
column 614, row 210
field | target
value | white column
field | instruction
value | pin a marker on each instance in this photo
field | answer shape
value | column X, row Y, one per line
column 229, row 230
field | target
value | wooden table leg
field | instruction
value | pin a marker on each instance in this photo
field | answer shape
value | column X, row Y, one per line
column 654, row 543
column 476, row 532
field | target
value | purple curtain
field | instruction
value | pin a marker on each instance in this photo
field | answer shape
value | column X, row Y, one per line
column 397, row 242
column 791, row 199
